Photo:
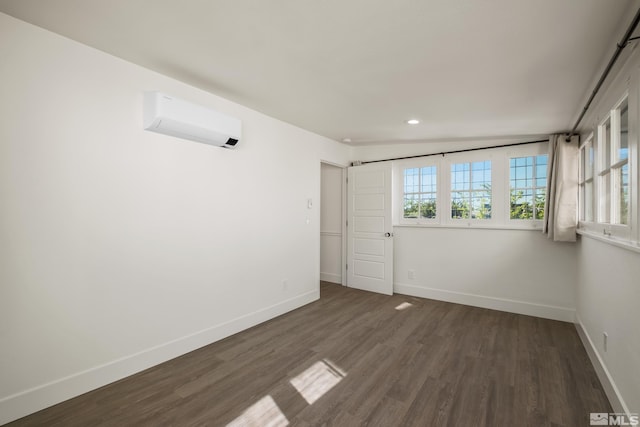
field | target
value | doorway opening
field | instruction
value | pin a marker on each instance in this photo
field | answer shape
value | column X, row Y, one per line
column 333, row 224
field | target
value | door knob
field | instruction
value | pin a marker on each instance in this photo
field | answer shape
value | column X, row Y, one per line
column 388, row 234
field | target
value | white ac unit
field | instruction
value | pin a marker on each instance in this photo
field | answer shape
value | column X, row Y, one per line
column 172, row 116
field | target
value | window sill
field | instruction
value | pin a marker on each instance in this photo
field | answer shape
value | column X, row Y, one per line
column 624, row 244
column 475, row 226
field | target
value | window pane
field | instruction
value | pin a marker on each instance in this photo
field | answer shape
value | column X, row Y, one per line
column 583, row 164
column 623, row 150
column 528, row 178
column 428, row 206
column 471, row 190
column 411, row 180
column 481, row 205
column 540, row 200
column 457, row 180
column 587, row 161
column 481, row 175
column 591, row 161
column 606, row 143
column 521, row 204
column 588, row 201
column 428, row 176
column 623, row 185
column 459, row 205
column 420, row 190
column 605, row 199
column 411, row 206
column 581, row 199
column 587, row 155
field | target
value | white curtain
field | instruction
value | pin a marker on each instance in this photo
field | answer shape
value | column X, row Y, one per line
column 561, row 209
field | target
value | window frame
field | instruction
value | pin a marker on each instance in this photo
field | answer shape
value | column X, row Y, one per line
column 419, row 165
column 471, row 157
column 617, row 163
column 625, row 85
column 470, row 190
column 500, row 188
column 398, row 211
column 583, row 180
column 525, row 151
column 605, row 197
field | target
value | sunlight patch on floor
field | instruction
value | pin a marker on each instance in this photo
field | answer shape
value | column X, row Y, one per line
column 404, row 306
column 318, row 379
column 335, row 367
column 265, row 412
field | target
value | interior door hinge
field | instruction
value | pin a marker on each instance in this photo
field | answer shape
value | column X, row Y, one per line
column 347, row 223
column 347, row 266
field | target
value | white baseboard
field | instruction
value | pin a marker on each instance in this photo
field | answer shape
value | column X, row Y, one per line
column 564, row 314
column 609, row 386
column 330, row 277
column 45, row 395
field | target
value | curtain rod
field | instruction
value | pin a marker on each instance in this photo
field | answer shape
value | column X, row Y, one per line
column 358, row 163
column 623, row 43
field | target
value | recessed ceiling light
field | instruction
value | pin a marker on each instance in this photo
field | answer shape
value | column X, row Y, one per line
column 347, row 140
column 413, row 121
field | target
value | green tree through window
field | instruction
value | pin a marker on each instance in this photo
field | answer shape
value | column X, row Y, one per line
column 528, row 186
column 471, row 190
column 420, row 191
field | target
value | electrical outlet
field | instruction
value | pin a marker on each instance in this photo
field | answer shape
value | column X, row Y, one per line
column 285, row 285
column 605, row 339
column 411, row 274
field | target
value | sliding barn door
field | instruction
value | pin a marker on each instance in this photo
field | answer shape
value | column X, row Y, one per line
column 370, row 234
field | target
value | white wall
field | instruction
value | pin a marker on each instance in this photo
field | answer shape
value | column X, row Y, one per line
column 122, row 248
column 608, row 300
column 512, row 270
column 331, row 224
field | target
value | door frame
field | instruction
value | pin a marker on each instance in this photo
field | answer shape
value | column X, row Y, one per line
column 343, row 214
column 345, row 189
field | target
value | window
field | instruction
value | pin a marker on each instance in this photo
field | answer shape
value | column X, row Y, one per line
column 604, row 137
column 610, row 164
column 471, row 190
column 528, row 186
column 607, row 177
column 420, row 191
column 621, row 167
column 613, row 173
column 587, row 156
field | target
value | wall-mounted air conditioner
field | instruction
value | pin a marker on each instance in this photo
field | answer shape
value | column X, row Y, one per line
column 172, row 116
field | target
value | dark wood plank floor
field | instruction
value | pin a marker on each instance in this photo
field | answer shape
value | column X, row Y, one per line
column 356, row 358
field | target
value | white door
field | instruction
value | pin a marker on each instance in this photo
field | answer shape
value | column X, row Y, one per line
column 369, row 230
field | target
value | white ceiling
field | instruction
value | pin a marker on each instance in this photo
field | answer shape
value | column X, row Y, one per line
column 359, row 68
